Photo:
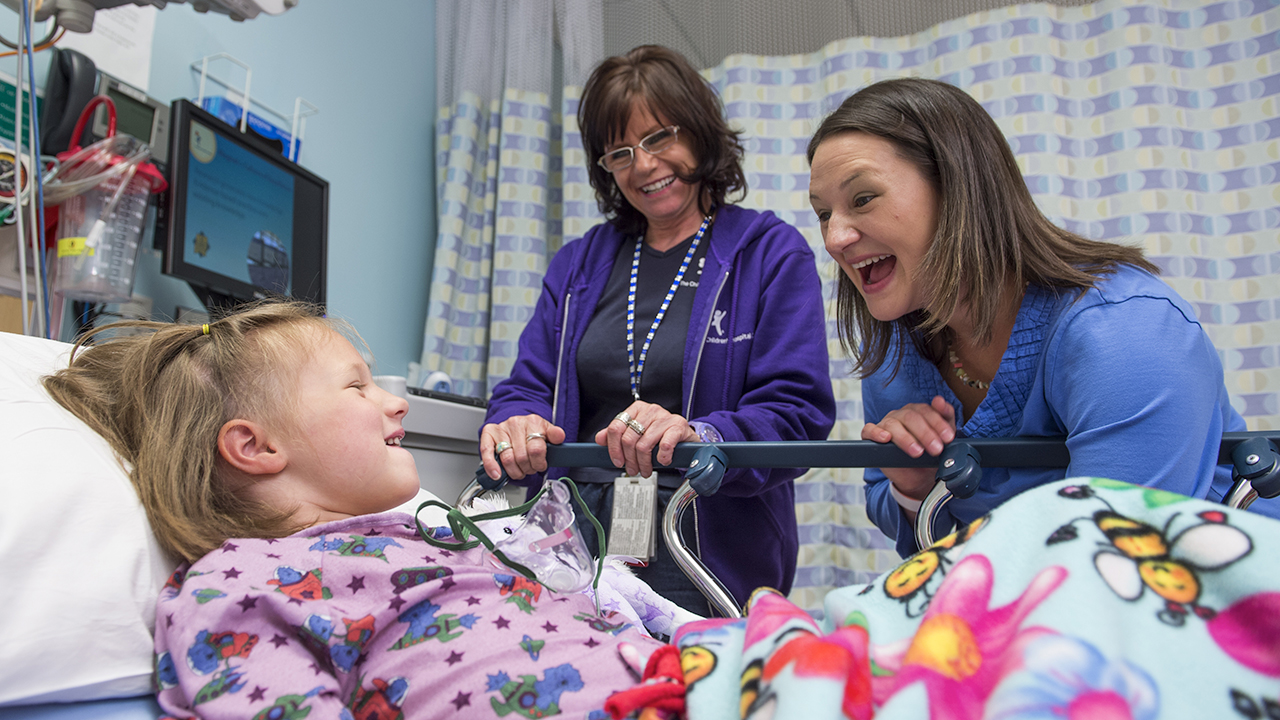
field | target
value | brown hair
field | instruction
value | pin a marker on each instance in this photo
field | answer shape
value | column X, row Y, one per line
column 991, row 239
column 160, row 392
column 671, row 88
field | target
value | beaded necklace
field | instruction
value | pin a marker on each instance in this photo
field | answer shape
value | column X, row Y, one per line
column 964, row 376
column 637, row 368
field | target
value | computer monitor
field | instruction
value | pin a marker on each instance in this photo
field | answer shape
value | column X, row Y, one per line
column 243, row 222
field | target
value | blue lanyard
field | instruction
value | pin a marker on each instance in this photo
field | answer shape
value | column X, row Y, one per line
column 637, row 368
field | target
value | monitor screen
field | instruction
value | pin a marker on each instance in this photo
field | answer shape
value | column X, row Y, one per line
column 243, row 221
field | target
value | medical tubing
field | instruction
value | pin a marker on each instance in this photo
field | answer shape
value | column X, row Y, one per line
column 464, row 526
column 17, row 188
column 92, row 166
column 37, row 172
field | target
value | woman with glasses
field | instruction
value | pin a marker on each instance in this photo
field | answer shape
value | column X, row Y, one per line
column 682, row 318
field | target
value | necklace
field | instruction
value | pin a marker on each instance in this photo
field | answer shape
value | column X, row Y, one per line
column 637, row 367
column 964, row 376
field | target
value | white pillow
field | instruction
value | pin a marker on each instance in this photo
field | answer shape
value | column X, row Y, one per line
column 78, row 563
column 80, row 570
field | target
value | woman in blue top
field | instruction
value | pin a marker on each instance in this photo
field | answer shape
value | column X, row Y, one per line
column 968, row 313
column 682, row 318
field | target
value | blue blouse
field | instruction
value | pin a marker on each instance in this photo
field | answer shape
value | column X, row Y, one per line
column 1123, row 370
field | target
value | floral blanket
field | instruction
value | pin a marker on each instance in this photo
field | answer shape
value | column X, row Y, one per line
column 1086, row 598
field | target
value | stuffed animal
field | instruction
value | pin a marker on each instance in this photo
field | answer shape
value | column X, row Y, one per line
column 620, row 590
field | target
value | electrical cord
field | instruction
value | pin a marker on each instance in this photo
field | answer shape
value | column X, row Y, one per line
column 18, row 188
column 48, row 39
column 37, row 174
column 41, row 46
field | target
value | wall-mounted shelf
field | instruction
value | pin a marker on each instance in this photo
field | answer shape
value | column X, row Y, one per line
column 302, row 109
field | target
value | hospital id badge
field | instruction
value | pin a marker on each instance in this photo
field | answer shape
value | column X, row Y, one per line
column 635, row 505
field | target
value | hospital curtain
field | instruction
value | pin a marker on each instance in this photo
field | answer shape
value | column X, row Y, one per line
column 1155, row 123
column 502, row 162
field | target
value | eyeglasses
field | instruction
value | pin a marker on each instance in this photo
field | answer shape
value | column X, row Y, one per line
column 619, row 159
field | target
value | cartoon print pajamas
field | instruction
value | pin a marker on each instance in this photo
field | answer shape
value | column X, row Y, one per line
column 362, row 619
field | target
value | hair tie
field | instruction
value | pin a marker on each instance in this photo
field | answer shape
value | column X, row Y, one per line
column 204, row 329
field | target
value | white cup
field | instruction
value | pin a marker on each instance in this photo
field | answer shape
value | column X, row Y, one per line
column 439, row 382
column 394, row 384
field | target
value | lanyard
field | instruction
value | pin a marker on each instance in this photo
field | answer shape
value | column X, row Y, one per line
column 637, row 368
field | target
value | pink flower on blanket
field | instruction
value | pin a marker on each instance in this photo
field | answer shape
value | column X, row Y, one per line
column 962, row 648
column 1249, row 631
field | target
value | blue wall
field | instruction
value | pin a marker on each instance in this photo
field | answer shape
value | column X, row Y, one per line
column 370, row 68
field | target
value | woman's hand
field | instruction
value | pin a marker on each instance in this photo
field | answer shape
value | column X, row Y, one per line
column 634, row 450
column 526, row 437
column 916, row 429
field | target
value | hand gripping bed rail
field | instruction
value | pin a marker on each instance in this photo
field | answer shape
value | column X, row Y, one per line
column 1255, row 476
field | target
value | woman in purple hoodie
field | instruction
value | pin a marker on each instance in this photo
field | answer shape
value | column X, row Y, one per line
column 680, row 319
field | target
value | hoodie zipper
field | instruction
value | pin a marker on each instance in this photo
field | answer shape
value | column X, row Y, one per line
column 706, row 330
column 564, row 333
column 697, row 364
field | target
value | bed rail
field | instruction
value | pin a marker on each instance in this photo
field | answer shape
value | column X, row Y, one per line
column 1253, row 455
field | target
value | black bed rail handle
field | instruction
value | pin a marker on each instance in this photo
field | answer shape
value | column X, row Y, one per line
column 1022, row 452
column 1016, row 452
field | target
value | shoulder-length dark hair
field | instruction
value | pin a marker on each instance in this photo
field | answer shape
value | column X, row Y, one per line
column 673, row 90
column 991, row 239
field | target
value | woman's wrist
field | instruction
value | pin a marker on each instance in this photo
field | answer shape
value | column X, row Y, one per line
column 906, row 503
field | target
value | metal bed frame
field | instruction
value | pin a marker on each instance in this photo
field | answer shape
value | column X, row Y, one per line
column 1254, row 456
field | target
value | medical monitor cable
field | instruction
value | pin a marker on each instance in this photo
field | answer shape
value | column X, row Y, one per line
column 47, row 38
column 37, row 175
column 17, row 188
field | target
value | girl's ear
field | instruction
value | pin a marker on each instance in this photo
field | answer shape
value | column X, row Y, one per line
column 246, row 446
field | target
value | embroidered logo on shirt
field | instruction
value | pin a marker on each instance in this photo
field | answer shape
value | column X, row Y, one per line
column 716, row 317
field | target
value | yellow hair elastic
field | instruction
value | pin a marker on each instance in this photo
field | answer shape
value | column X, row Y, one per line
column 205, row 328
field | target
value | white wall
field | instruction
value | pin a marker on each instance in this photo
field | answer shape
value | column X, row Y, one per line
column 370, row 68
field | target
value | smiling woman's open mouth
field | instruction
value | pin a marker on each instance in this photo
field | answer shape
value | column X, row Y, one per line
column 874, row 270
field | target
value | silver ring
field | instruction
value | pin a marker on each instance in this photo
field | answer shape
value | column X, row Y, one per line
column 501, row 448
column 624, row 417
column 535, row 436
column 636, row 426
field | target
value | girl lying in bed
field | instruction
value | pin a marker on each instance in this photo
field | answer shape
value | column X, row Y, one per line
column 267, row 460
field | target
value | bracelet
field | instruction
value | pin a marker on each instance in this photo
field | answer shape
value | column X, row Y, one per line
column 706, row 432
column 906, row 503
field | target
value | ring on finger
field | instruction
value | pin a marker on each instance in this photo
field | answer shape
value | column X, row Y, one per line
column 501, row 448
column 635, row 426
column 624, row 417
column 535, row 436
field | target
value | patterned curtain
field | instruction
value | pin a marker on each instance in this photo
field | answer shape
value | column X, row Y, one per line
column 506, row 168
column 1141, row 121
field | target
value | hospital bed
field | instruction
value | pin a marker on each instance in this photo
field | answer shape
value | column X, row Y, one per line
column 82, row 572
column 1254, row 456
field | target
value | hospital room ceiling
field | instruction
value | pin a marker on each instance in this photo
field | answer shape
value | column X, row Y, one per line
column 708, row 30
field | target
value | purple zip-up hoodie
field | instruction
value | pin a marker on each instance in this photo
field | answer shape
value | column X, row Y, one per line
column 755, row 367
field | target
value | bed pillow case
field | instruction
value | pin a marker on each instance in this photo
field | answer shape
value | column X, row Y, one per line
column 80, row 566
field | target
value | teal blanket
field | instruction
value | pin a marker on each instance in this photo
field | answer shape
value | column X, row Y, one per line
column 1085, row 598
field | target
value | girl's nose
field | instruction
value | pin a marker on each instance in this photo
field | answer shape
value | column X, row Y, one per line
column 396, row 406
